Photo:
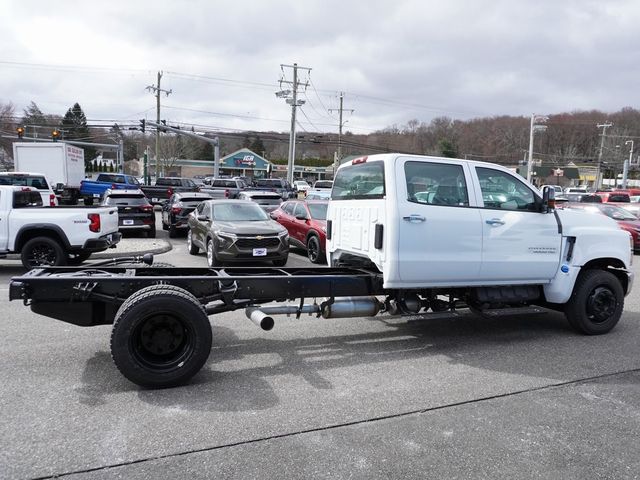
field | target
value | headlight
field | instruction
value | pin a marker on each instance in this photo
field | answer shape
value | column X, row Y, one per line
column 284, row 233
column 226, row 239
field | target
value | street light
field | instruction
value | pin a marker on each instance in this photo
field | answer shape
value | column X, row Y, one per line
column 625, row 170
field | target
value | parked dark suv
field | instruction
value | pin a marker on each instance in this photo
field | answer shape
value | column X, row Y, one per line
column 279, row 185
column 236, row 231
column 176, row 210
column 135, row 213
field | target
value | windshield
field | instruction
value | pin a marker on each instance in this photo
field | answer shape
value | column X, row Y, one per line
column 238, row 212
column 318, row 210
column 359, row 181
column 617, row 213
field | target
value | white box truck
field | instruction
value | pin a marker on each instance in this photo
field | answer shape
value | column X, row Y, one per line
column 61, row 163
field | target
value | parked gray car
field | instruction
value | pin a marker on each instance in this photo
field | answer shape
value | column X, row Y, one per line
column 269, row 201
column 236, row 231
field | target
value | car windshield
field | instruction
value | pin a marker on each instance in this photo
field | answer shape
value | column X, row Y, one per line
column 318, row 210
column 238, row 212
column 617, row 213
column 24, row 181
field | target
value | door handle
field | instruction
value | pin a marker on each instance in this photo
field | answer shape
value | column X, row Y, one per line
column 413, row 218
column 495, row 221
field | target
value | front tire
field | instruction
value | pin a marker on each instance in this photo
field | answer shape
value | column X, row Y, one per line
column 212, row 261
column 193, row 249
column 42, row 252
column 161, row 337
column 280, row 263
column 596, row 304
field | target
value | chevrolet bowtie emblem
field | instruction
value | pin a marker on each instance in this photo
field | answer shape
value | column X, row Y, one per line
column 259, row 237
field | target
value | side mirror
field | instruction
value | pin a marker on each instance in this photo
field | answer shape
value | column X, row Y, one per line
column 301, row 217
column 203, row 218
column 548, row 200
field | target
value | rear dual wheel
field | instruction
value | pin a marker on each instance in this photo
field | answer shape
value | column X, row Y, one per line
column 161, row 337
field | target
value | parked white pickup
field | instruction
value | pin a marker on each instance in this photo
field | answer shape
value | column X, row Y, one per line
column 479, row 232
column 52, row 235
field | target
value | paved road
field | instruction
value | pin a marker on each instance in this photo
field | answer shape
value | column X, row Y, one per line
column 447, row 397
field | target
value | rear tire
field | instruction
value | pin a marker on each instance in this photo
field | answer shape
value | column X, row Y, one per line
column 165, row 226
column 173, row 232
column 151, row 233
column 596, row 304
column 88, row 201
column 42, row 252
column 193, row 249
column 161, row 337
column 314, row 253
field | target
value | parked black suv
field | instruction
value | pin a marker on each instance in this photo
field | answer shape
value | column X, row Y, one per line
column 134, row 210
column 279, row 185
column 176, row 210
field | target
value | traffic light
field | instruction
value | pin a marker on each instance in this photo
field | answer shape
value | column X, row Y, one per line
column 143, row 125
column 55, row 135
column 20, row 131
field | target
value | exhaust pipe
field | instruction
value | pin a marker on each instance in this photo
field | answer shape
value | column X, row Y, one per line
column 345, row 307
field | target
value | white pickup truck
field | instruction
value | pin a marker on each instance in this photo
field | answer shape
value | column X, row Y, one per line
column 52, row 235
column 479, row 233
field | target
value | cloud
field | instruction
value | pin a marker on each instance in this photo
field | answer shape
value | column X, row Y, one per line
column 395, row 60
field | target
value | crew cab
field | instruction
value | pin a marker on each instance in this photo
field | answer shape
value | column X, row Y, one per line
column 93, row 190
column 224, row 187
column 52, row 235
column 478, row 231
column 167, row 186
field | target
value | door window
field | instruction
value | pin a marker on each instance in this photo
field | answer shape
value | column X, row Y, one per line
column 436, row 184
column 288, row 208
column 300, row 210
column 503, row 191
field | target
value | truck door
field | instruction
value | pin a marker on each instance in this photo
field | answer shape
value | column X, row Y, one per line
column 520, row 244
column 439, row 229
column 4, row 225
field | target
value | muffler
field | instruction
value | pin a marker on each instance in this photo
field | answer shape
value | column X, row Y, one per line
column 343, row 307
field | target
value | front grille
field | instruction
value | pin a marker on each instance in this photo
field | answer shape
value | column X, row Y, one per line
column 254, row 242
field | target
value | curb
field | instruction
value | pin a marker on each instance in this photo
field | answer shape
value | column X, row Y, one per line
column 128, row 247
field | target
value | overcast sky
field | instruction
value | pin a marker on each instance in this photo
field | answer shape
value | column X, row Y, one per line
column 395, row 60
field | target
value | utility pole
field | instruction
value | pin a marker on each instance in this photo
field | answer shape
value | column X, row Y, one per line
column 291, row 97
column 340, row 125
column 157, row 91
column 625, row 169
column 604, row 127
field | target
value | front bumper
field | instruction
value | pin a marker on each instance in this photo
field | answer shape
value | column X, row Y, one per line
column 102, row 243
column 238, row 251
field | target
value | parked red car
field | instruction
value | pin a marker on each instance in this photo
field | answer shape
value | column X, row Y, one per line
column 626, row 220
column 306, row 222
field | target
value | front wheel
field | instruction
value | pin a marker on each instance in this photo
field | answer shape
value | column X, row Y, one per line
column 161, row 337
column 280, row 263
column 193, row 248
column 42, row 252
column 212, row 261
column 596, row 304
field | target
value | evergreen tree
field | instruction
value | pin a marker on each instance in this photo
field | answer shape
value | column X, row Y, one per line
column 447, row 149
column 74, row 127
column 32, row 115
column 257, row 146
column 94, row 168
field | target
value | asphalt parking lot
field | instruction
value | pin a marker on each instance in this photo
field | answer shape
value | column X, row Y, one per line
column 452, row 396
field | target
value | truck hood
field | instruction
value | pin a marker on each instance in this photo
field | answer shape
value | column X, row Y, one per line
column 573, row 219
column 264, row 227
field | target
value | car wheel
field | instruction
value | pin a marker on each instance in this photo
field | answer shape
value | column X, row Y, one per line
column 313, row 249
column 151, row 233
column 165, row 226
column 212, row 261
column 596, row 304
column 173, row 232
column 193, row 249
column 161, row 337
column 42, row 252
